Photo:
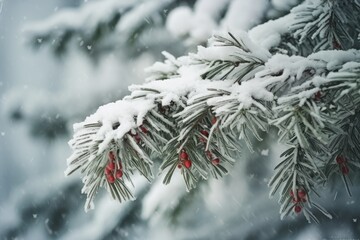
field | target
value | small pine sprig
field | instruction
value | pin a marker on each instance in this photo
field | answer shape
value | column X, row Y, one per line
column 296, row 176
column 127, row 141
column 240, row 61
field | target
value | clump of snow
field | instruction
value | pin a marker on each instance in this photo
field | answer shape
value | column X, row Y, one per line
column 243, row 14
column 179, row 21
column 283, row 5
column 254, row 52
column 85, row 18
column 199, row 23
column 269, row 34
column 129, row 114
column 136, row 16
column 183, row 21
column 213, row 8
column 336, row 58
column 265, row 152
column 294, row 65
column 203, row 27
column 350, row 66
column 160, row 69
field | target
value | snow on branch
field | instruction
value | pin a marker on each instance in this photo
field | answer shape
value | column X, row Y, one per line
column 95, row 23
column 193, row 110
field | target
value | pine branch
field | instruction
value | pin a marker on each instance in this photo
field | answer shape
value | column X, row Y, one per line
column 240, row 61
column 327, row 21
column 97, row 26
column 195, row 123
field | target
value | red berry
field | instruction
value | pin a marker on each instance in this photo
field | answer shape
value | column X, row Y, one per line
column 213, row 120
column 111, row 156
column 143, row 129
column 345, row 169
column 340, row 159
column 107, row 171
column 215, row 161
column 119, row 174
column 110, row 178
column 187, row 163
column 111, row 166
column 301, row 193
column 184, row 155
column 137, row 138
column 179, row 166
column 297, row 209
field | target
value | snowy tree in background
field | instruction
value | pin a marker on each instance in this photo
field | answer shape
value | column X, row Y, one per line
column 272, row 85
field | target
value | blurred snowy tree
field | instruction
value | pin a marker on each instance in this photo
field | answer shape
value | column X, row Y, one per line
column 191, row 112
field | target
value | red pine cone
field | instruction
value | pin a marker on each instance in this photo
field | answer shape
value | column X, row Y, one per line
column 215, row 161
column 119, row 174
column 187, row 163
column 297, row 209
column 110, row 178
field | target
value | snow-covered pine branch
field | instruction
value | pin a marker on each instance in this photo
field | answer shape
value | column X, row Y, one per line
column 98, row 26
column 192, row 111
column 182, row 110
column 328, row 23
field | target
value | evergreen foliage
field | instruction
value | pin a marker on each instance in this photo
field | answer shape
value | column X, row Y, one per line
column 300, row 78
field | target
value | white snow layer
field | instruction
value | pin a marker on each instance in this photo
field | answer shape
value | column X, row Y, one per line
column 198, row 24
column 85, row 18
column 187, row 84
column 283, row 5
column 243, row 14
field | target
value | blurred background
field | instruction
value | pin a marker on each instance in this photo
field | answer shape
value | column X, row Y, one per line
column 62, row 59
